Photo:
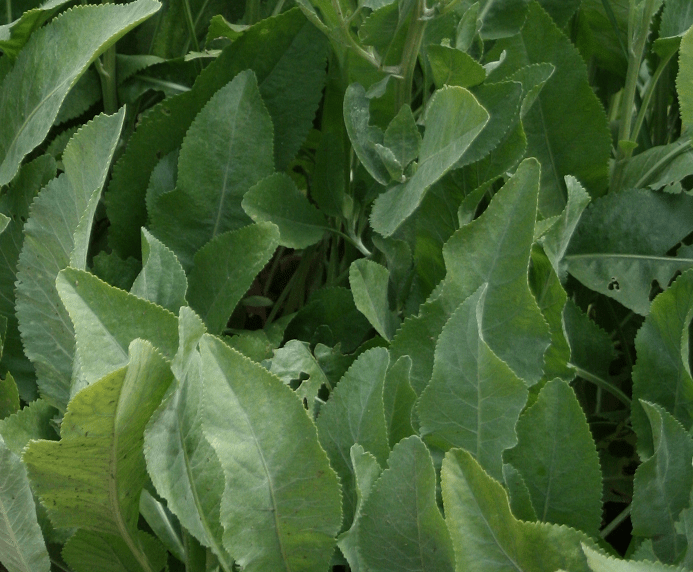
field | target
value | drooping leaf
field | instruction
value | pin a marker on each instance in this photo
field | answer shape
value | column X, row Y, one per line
column 354, row 414
column 662, row 373
column 227, row 149
column 451, row 66
column 663, row 483
column 52, row 243
column 30, row 422
column 443, row 144
column 13, row 36
column 162, row 279
column 484, row 530
column 22, row 548
column 277, row 200
column 225, row 268
column 181, row 462
column 285, row 52
column 619, row 247
column 598, row 562
column 558, row 460
column 102, row 335
column 369, row 286
column 281, row 503
column 30, row 102
column 659, row 166
column 400, row 527
column 93, row 476
column 474, row 399
column 566, row 127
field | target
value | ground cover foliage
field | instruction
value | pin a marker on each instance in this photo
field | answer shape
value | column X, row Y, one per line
column 373, row 285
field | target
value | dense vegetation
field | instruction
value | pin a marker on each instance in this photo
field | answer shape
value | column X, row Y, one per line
column 374, row 285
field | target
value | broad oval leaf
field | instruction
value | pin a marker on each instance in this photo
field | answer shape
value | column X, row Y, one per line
column 281, row 507
column 30, row 101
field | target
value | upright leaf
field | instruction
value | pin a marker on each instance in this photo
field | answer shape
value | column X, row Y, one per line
column 684, row 79
column 483, row 529
column 354, row 414
column 181, row 462
column 22, row 548
column 225, row 268
column 398, row 400
column 281, row 503
column 401, row 527
column 369, row 284
column 474, row 399
column 30, row 102
column 663, row 484
column 443, row 144
column 52, row 243
column 227, row 149
column 558, row 460
column 662, row 371
column 92, row 477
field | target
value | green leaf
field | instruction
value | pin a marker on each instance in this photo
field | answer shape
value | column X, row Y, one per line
column 600, row 563
column 619, row 248
column 398, row 400
column 518, row 494
column 160, row 520
column 558, row 460
column 684, row 79
column 659, row 166
column 401, row 527
column 30, row 102
column 52, row 243
column 22, row 548
column 227, row 149
column 369, row 286
column 181, row 462
column 276, row 199
column 354, row 414
column 102, row 336
column 285, row 52
column 87, row 551
column 31, row 422
column 484, row 530
column 9, row 396
column 93, row 477
column 443, row 144
column 14, row 36
column 502, row 19
column 560, row 10
column 473, row 400
column 566, row 127
column 662, row 373
column 162, row 279
column 281, row 503
column 225, row 268
column 451, row 66
column 402, row 136
column 662, row 484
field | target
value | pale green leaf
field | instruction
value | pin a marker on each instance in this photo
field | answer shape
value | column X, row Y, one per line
column 92, row 477
column 660, row 166
column 102, row 335
column 402, row 136
column 22, row 548
column 181, row 462
column 663, row 484
column 9, row 396
column 451, row 66
column 162, row 279
column 354, row 414
column 369, row 286
column 30, row 102
column 566, row 127
column 227, row 149
column 558, row 460
column 398, row 400
column 30, row 422
column 4, row 221
column 474, row 399
column 401, row 527
column 52, row 243
column 445, row 141
column 159, row 519
column 225, row 268
column 598, row 562
column 281, row 503
column 483, row 529
column 684, row 79
column 662, row 372
column 277, row 200
column 518, row 494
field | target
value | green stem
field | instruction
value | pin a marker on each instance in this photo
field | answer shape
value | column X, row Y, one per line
column 106, row 68
column 637, row 37
column 191, row 32
column 8, row 5
column 613, row 525
column 273, row 269
column 410, row 55
column 352, row 43
column 278, row 8
column 252, row 12
column 603, row 383
column 195, row 554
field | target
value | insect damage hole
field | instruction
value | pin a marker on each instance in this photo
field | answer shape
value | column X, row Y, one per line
column 613, row 285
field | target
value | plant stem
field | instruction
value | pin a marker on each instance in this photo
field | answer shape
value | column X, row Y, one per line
column 637, row 37
column 106, row 68
column 252, row 12
column 613, row 525
column 8, row 5
column 273, row 269
column 195, row 554
column 410, row 55
column 604, row 384
column 278, row 8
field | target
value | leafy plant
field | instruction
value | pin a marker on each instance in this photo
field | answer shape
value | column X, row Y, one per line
column 371, row 285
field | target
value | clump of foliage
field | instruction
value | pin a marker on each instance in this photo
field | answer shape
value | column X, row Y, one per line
column 372, row 285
